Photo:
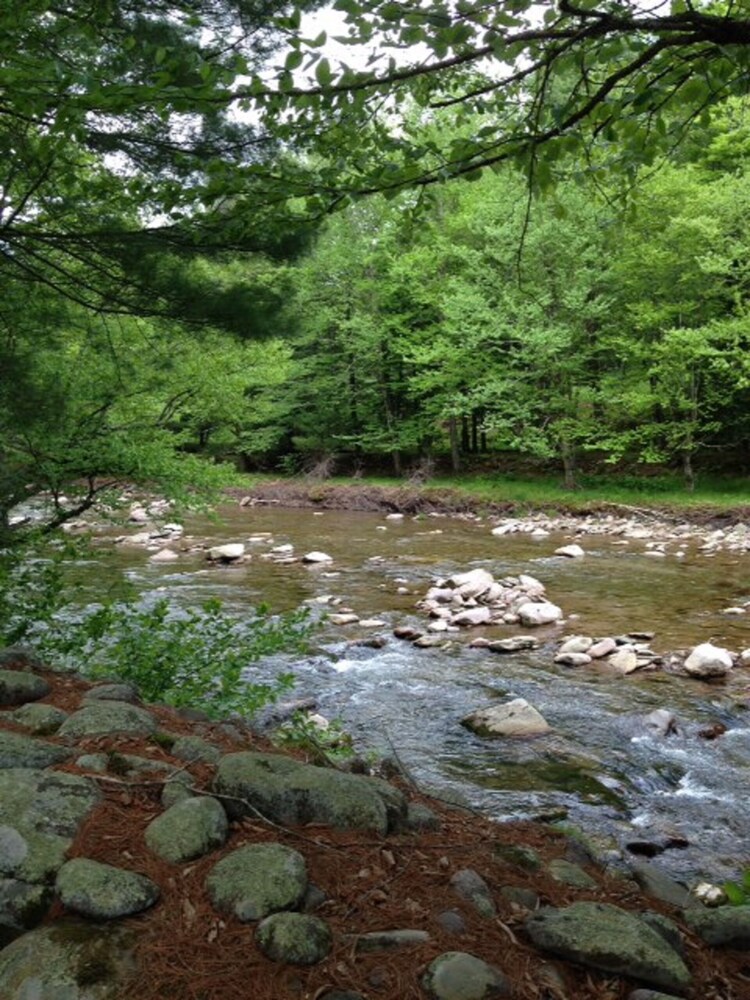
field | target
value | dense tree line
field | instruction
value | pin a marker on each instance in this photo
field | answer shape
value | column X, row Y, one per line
column 176, row 285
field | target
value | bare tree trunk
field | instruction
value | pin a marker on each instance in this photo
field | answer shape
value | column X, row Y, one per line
column 455, row 451
column 568, row 456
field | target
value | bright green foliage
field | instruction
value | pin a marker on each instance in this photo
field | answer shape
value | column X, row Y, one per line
column 738, row 893
column 199, row 658
column 330, row 747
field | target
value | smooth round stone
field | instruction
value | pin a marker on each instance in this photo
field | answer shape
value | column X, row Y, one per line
column 188, row 829
column 294, row 938
column 103, row 891
column 456, row 975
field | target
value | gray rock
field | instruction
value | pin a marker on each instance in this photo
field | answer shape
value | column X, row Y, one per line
column 294, row 938
column 420, row 818
column 19, row 686
column 96, row 719
column 570, row 874
column 651, row 995
column 514, row 718
column 625, row 660
column 727, row 926
column 230, row 552
column 289, row 792
column 571, row 551
column 472, row 887
column 666, row 927
column 520, row 896
column 472, row 616
column 195, row 750
column 22, row 907
column 518, row 856
column 515, row 644
column 115, row 691
column 40, row 719
column 103, row 891
column 542, row 613
column 257, row 880
column 452, row 921
column 177, row 789
column 456, row 975
column 387, row 940
column 188, row 829
column 68, row 960
column 40, row 812
column 17, row 750
column 707, row 660
column 602, row 648
column 577, row 644
column 573, row 659
column 657, row 884
column 605, row 937
column 313, row 899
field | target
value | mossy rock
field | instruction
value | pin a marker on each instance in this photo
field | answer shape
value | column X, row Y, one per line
column 456, row 975
column 255, row 881
column 103, row 891
column 41, row 720
column 19, row 686
column 18, row 750
column 188, row 829
column 294, row 938
column 104, row 717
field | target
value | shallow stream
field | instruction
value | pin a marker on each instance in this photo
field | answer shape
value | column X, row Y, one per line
column 601, row 765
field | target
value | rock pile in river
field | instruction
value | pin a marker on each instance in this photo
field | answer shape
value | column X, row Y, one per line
column 146, row 854
column 477, row 598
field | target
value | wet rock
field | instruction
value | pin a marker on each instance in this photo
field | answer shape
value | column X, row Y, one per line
column 230, row 552
column 109, row 717
column 69, row 960
column 625, row 660
column 17, row 750
column 188, row 829
column 727, row 926
column 570, row 874
column 294, row 938
column 257, row 880
column 602, row 648
column 605, row 937
column 472, row 616
column 571, row 551
column 289, row 792
column 343, row 619
column 472, row 887
column 387, row 940
column 473, row 583
column 515, row 644
column 41, row 720
column 456, row 975
column 19, row 686
column 103, row 891
column 576, row 644
column 707, row 660
column 428, row 641
column 369, row 642
column 514, row 718
column 663, row 721
column 407, row 632
column 573, row 659
column 542, row 613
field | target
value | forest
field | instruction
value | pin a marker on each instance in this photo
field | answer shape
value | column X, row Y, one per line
column 512, row 241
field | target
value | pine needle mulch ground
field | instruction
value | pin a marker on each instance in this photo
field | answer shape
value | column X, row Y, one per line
column 187, row 950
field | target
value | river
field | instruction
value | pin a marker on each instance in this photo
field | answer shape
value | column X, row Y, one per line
column 682, row 796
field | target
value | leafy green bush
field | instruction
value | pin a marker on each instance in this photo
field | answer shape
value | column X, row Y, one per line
column 330, row 747
column 738, row 893
column 195, row 657
column 30, row 591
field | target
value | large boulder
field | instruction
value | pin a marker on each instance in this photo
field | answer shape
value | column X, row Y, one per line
column 608, row 938
column 514, row 718
column 707, row 660
column 727, row 926
column 68, row 960
column 257, row 880
column 286, row 791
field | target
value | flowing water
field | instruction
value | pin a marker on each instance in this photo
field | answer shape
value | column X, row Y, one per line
column 601, row 765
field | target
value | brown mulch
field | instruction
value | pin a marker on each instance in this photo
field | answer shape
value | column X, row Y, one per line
column 188, row 951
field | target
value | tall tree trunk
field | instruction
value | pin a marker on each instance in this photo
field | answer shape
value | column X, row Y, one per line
column 397, row 466
column 455, row 450
column 464, row 435
column 474, row 432
column 568, row 455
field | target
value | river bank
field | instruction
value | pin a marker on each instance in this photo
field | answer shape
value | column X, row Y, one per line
column 111, row 875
